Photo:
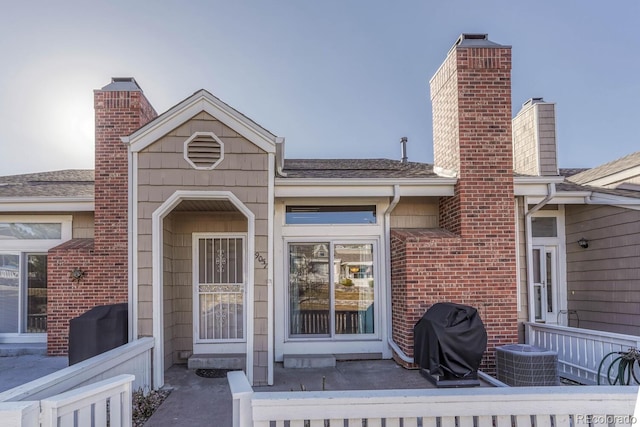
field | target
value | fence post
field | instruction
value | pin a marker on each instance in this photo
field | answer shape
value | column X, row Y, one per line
column 20, row 414
column 241, row 393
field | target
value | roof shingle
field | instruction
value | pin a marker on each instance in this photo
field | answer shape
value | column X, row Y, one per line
column 57, row 184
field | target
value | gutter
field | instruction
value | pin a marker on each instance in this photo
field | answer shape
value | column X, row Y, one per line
column 387, row 236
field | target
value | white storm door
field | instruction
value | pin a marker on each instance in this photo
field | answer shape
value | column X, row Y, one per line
column 219, row 278
column 545, row 287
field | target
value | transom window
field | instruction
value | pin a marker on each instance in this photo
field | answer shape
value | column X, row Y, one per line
column 331, row 214
column 544, row 226
column 30, row 231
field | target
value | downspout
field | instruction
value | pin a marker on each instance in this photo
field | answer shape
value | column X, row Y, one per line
column 551, row 193
column 387, row 236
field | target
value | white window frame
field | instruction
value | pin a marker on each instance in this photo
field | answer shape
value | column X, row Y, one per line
column 285, row 233
column 31, row 246
column 37, row 245
column 559, row 244
column 333, row 337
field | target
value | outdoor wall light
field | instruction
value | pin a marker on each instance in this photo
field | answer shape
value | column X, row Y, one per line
column 584, row 243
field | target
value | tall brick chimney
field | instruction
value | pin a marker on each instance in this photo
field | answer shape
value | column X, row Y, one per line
column 471, row 97
column 471, row 258
column 120, row 109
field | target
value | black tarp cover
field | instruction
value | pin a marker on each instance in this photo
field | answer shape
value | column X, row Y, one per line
column 450, row 340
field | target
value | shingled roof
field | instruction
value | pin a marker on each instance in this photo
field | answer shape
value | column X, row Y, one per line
column 627, row 162
column 573, row 187
column 356, row 168
column 70, row 183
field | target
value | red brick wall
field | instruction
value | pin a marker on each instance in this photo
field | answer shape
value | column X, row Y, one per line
column 472, row 260
column 117, row 114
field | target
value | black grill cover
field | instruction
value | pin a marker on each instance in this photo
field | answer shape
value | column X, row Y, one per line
column 100, row 329
column 450, row 340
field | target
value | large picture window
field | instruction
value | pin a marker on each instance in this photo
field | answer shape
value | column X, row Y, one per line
column 331, row 289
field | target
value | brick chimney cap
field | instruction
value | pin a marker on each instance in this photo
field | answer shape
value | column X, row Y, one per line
column 475, row 40
column 123, row 84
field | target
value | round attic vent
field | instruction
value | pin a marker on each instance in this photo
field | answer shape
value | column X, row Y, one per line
column 203, row 150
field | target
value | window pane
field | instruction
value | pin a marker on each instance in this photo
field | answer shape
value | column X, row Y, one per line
column 537, row 267
column 309, row 287
column 29, row 231
column 353, row 288
column 9, row 292
column 36, row 293
column 544, row 227
column 331, row 215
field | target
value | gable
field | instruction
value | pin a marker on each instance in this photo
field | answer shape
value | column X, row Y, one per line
column 201, row 102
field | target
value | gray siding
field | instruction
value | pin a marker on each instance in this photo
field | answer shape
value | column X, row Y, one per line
column 162, row 170
column 534, row 140
column 415, row 212
column 603, row 281
column 83, row 225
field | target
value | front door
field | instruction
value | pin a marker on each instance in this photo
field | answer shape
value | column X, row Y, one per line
column 219, row 284
column 545, row 286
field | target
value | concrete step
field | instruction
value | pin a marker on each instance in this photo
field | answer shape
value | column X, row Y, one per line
column 217, row 361
column 299, row 361
column 12, row 350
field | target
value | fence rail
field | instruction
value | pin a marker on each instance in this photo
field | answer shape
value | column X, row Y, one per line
column 580, row 351
column 132, row 358
column 104, row 403
column 478, row 407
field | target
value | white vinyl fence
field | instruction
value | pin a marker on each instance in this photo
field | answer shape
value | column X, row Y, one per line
column 470, row 407
column 133, row 358
column 580, row 351
column 95, row 392
column 105, row 403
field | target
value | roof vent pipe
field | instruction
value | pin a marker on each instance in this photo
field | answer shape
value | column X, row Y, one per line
column 403, row 143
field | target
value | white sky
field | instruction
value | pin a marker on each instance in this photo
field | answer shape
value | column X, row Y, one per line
column 336, row 78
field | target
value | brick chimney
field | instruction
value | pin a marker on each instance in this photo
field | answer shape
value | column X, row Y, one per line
column 471, row 97
column 471, row 258
column 534, row 139
column 120, row 109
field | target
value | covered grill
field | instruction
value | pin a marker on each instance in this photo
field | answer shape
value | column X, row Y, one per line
column 449, row 342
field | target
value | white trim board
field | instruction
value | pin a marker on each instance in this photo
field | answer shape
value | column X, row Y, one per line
column 190, row 107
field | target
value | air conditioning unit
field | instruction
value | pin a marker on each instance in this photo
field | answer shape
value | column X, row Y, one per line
column 526, row 365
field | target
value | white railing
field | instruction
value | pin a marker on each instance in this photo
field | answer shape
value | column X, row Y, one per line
column 580, row 351
column 475, row 407
column 105, row 403
column 132, row 358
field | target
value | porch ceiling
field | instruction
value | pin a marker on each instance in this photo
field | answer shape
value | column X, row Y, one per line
column 205, row 206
